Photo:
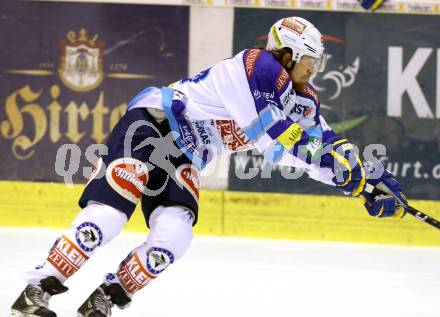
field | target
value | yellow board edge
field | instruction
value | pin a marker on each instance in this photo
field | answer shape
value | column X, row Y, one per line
column 242, row 214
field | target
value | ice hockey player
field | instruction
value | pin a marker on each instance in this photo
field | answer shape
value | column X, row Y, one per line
column 260, row 98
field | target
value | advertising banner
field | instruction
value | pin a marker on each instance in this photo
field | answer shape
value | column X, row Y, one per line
column 67, row 72
column 393, row 6
column 381, row 86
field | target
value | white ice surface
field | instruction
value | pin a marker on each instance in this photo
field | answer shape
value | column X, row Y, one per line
column 232, row 277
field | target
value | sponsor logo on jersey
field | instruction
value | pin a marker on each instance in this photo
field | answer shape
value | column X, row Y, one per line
column 250, row 60
column 282, row 79
column 294, row 25
column 262, row 94
column 89, row 236
column 233, row 137
column 132, row 274
column 310, row 91
column 302, row 110
column 307, row 111
column 291, row 136
column 189, row 176
column 313, row 148
column 202, row 132
column 158, row 260
column 188, row 141
column 66, row 257
column 128, row 177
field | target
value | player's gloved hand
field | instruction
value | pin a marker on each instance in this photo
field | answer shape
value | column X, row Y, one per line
column 341, row 157
column 382, row 196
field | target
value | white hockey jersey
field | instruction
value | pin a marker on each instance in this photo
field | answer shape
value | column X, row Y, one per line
column 240, row 103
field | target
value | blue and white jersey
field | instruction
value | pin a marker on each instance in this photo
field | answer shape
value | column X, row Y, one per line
column 243, row 102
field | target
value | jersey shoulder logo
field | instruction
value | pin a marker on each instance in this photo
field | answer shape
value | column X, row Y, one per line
column 311, row 92
column 282, row 79
column 250, row 59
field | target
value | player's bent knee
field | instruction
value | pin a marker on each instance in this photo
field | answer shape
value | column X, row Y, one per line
column 96, row 225
column 171, row 229
column 169, row 239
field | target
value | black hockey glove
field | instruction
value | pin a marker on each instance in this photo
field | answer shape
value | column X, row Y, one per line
column 340, row 155
column 383, row 196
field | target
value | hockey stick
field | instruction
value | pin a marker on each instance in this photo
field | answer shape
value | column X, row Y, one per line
column 424, row 217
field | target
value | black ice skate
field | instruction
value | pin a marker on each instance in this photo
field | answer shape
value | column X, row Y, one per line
column 34, row 300
column 101, row 301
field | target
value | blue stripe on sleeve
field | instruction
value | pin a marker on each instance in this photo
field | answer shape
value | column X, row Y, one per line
column 259, row 127
column 167, row 97
column 315, row 132
column 140, row 95
column 274, row 152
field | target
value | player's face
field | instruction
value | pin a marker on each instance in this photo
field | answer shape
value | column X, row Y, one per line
column 303, row 70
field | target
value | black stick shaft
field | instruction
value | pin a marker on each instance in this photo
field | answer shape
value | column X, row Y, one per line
column 424, row 217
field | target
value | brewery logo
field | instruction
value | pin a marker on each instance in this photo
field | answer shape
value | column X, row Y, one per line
column 81, row 66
